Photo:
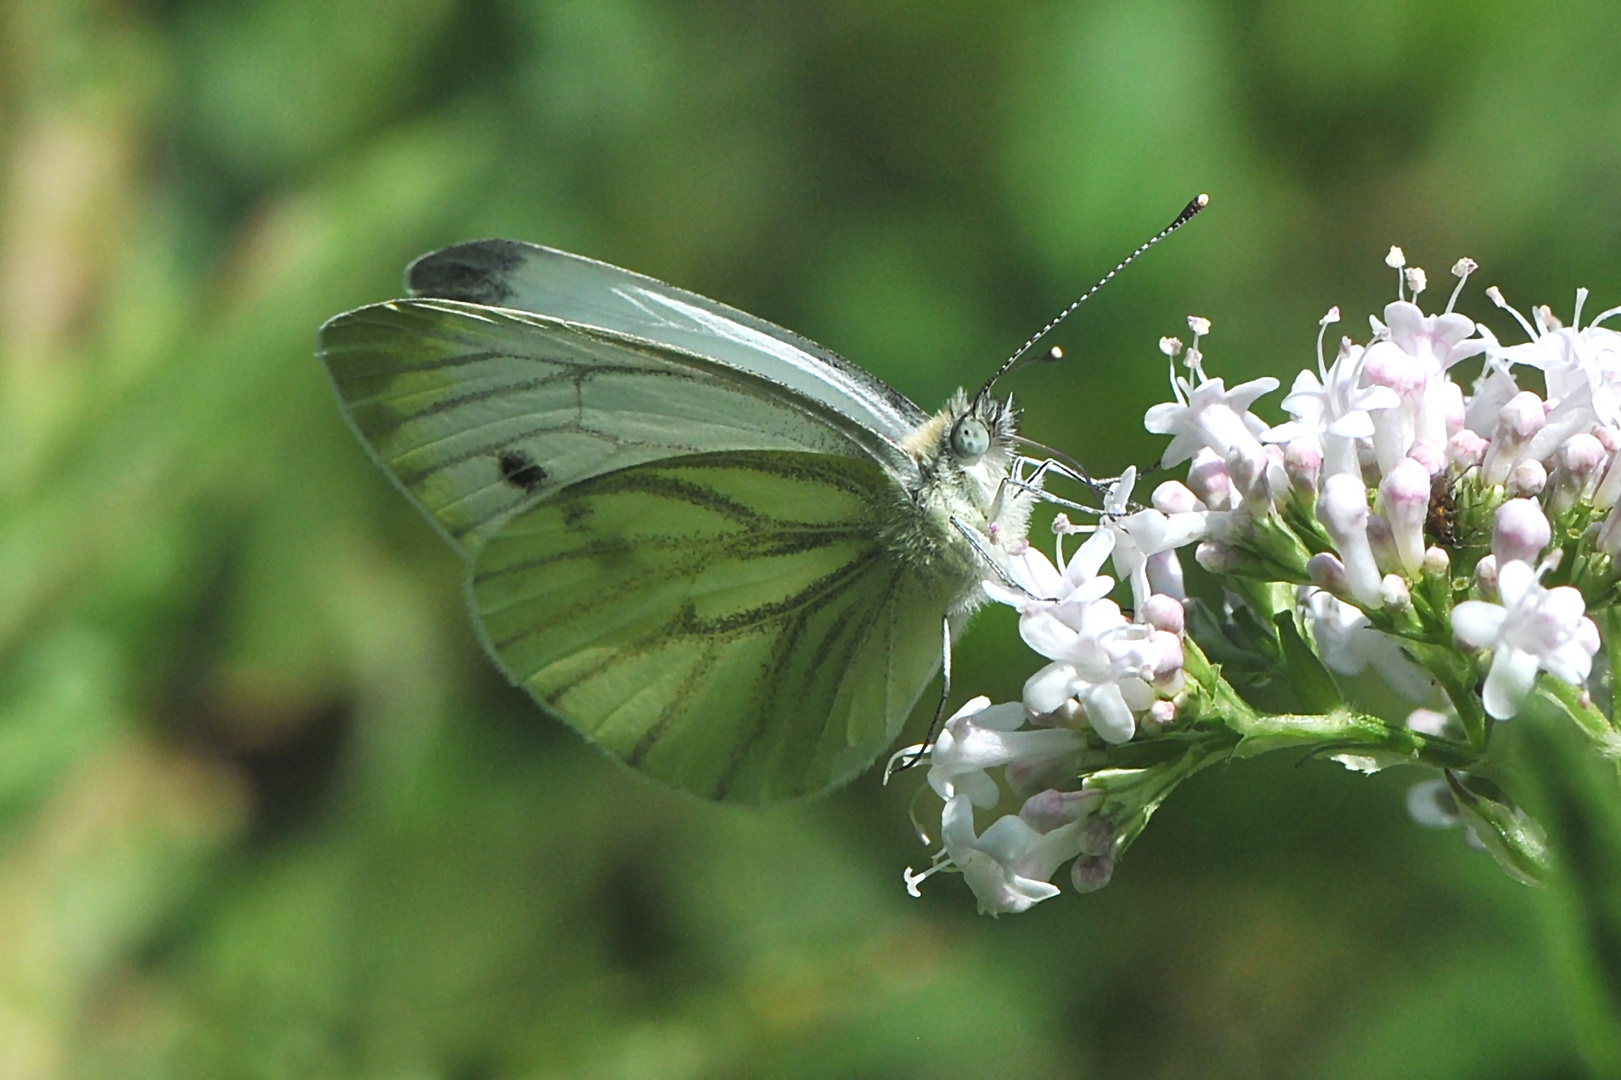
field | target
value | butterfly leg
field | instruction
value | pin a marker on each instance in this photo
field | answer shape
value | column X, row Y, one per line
column 933, row 733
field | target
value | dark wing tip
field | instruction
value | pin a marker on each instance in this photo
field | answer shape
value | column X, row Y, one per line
column 475, row 272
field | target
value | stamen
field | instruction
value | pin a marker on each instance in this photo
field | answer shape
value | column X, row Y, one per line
column 1495, row 295
column 1416, row 280
column 1396, row 260
column 1461, row 270
column 1576, row 316
column 1332, row 316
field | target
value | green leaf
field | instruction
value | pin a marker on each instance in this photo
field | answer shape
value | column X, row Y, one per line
column 1314, row 687
column 1517, row 843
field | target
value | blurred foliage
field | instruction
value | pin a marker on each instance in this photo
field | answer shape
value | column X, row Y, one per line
column 267, row 811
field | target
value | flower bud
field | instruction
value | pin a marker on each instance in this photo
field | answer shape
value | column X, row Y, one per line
column 1328, row 573
column 1437, row 563
column 1091, row 872
column 1208, row 479
column 1582, row 458
column 1520, row 531
column 1529, row 477
column 1343, row 510
column 1428, row 722
column 1432, row 805
column 1393, row 593
column 1486, row 576
column 1025, row 776
column 1465, row 450
column 1175, row 497
column 1404, row 497
column 1167, row 655
column 1162, row 713
column 1052, row 809
column 1217, row 557
column 1517, row 422
column 1163, row 613
column 1303, row 463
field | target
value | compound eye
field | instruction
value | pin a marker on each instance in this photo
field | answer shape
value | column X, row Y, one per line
column 969, row 439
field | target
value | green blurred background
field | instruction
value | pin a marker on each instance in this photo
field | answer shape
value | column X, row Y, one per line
column 268, row 812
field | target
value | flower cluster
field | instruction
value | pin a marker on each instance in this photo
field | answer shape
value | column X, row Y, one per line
column 1452, row 541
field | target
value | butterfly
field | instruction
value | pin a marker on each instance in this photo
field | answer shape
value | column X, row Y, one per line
column 726, row 555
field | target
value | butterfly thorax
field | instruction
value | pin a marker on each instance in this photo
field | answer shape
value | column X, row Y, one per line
column 964, row 454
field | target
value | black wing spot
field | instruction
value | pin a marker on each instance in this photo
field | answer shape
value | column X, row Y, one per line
column 474, row 272
column 520, row 470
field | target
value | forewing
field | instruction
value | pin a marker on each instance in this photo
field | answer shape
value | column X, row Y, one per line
column 477, row 412
column 507, row 273
column 729, row 623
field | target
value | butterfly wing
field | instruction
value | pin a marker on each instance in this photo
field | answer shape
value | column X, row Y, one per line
column 730, row 623
column 477, row 412
column 512, row 274
column 684, row 560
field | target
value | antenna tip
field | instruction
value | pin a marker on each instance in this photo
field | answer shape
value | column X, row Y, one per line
column 1202, row 200
column 1055, row 354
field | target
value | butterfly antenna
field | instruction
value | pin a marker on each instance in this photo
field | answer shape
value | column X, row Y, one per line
column 1014, row 361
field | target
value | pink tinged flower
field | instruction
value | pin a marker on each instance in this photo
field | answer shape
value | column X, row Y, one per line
column 1303, row 464
column 1404, row 498
column 1465, row 450
column 1520, row 531
column 1533, row 629
column 1175, row 497
column 1051, row 809
column 982, row 736
column 1343, row 510
column 1582, row 460
column 1209, row 482
column 1217, row 557
column 1165, row 575
column 1527, row 478
column 1328, row 573
column 1163, row 613
column 1486, row 576
column 1520, row 419
column 1440, row 341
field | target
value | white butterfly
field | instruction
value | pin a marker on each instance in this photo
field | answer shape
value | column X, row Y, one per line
column 725, row 554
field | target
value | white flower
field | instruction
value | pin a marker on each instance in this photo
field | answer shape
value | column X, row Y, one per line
column 1331, row 410
column 1139, row 536
column 1350, row 645
column 1533, row 629
column 1210, row 415
column 1412, row 358
column 982, row 736
column 1008, row 866
column 1575, row 361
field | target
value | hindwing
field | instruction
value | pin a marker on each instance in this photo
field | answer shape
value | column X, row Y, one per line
column 731, row 623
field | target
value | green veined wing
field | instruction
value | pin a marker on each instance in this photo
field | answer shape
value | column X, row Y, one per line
column 730, row 623
column 476, row 411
